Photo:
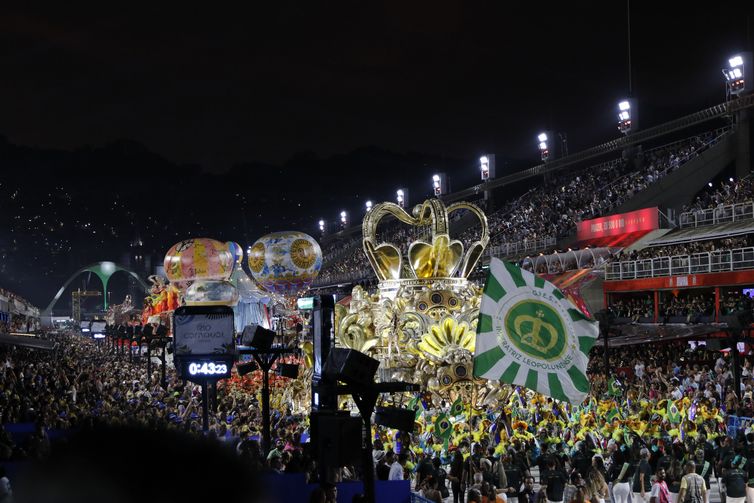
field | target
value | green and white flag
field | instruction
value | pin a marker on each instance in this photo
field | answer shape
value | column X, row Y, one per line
column 530, row 335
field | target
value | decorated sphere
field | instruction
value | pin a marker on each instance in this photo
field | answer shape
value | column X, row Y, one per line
column 211, row 293
column 236, row 250
column 285, row 262
column 194, row 259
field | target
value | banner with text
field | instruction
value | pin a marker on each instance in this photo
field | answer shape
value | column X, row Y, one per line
column 646, row 219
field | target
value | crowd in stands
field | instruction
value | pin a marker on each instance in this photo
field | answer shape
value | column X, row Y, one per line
column 556, row 207
column 549, row 211
column 690, row 248
column 559, row 458
column 689, row 306
column 728, row 193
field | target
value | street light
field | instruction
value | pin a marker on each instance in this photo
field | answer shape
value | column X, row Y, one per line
column 544, row 151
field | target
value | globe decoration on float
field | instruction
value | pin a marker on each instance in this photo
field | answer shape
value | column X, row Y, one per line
column 200, row 268
column 237, row 252
column 285, row 262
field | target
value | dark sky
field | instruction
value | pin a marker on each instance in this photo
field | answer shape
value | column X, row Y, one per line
column 165, row 123
column 218, row 86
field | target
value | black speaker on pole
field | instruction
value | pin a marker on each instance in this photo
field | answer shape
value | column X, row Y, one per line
column 257, row 337
column 351, row 367
column 245, row 368
column 336, row 438
column 396, row 418
column 289, row 370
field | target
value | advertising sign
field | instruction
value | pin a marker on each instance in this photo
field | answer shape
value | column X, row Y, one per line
column 646, row 219
column 204, row 331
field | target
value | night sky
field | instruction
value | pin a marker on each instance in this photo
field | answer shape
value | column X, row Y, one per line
column 233, row 123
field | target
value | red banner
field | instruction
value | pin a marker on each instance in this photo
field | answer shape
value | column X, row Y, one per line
column 646, row 219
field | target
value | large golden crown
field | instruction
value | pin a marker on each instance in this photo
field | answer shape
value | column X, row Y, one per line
column 443, row 258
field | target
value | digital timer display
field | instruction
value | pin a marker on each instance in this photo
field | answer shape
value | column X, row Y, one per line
column 207, row 368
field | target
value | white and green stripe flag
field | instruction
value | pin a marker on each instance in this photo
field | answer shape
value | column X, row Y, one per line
column 530, row 335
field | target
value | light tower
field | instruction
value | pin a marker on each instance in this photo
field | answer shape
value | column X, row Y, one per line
column 369, row 206
column 627, row 116
column 322, row 227
column 401, row 196
column 343, row 219
column 439, row 184
column 544, row 149
column 738, row 75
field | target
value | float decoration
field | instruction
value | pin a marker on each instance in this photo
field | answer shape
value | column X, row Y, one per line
column 422, row 323
column 201, row 268
column 285, row 262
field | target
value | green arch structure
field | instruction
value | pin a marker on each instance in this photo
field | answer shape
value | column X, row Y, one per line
column 104, row 271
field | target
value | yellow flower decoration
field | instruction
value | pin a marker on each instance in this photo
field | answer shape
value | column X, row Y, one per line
column 445, row 335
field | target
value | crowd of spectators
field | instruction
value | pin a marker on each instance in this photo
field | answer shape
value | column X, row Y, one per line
column 729, row 192
column 548, row 211
column 556, row 207
column 84, row 383
column 689, row 306
column 690, row 248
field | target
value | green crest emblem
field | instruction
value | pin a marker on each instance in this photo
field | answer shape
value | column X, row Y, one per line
column 536, row 329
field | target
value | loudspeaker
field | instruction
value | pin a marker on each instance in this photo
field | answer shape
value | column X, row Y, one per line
column 336, row 438
column 288, row 370
column 257, row 337
column 396, row 418
column 713, row 344
column 245, row 368
column 350, row 366
column 162, row 331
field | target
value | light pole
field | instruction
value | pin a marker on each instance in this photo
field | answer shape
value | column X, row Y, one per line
column 627, row 116
column 400, row 197
column 487, row 170
column 544, row 150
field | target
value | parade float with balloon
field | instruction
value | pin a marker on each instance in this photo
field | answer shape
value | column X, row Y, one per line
column 209, row 272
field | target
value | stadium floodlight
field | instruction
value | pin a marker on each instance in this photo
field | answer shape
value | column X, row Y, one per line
column 401, row 198
column 322, row 226
column 369, row 206
column 544, row 150
column 738, row 73
column 625, row 117
column 484, row 166
column 343, row 219
column 438, row 184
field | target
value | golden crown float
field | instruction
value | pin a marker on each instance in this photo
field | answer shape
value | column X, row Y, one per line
column 421, row 323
